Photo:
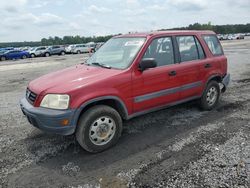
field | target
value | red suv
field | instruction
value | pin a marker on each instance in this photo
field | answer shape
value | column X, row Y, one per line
column 130, row 75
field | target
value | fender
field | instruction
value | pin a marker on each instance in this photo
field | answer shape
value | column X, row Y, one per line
column 117, row 99
column 211, row 78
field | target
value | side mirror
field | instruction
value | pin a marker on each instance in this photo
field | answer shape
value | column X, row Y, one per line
column 147, row 63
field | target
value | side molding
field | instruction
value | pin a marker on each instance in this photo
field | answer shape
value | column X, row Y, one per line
column 165, row 92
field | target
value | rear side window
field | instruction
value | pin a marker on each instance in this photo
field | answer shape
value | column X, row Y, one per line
column 187, row 48
column 213, row 44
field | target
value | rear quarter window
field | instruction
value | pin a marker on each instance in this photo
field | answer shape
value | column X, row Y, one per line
column 213, row 44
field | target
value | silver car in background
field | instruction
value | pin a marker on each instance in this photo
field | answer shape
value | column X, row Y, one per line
column 79, row 48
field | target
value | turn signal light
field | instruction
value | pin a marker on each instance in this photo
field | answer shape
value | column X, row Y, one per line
column 65, row 122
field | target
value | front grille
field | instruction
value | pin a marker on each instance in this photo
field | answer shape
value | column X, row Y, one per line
column 30, row 96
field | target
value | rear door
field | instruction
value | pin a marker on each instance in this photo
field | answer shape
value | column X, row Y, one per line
column 55, row 49
column 157, row 86
column 15, row 54
column 191, row 56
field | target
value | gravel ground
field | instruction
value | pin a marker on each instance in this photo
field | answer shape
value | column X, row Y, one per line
column 176, row 147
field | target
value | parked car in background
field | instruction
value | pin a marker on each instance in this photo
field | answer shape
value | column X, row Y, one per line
column 54, row 50
column 98, row 45
column 69, row 48
column 91, row 46
column 14, row 54
column 2, row 51
column 225, row 37
column 240, row 36
column 220, row 37
column 79, row 48
column 27, row 48
column 37, row 51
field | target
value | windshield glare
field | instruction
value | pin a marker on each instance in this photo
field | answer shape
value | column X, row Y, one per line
column 117, row 52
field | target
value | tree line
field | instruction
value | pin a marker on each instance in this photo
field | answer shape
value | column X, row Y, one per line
column 220, row 29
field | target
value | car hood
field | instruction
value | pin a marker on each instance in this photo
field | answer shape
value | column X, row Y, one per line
column 70, row 79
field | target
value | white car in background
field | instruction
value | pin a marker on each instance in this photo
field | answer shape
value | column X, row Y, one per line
column 79, row 48
column 37, row 51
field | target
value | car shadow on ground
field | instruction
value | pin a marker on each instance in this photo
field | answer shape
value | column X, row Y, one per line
column 138, row 134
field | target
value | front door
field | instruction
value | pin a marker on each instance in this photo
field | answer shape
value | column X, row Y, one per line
column 157, row 86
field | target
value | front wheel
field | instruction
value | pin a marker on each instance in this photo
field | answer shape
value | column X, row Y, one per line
column 99, row 128
column 24, row 57
column 47, row 54
column 210, row 96
column 62, row 53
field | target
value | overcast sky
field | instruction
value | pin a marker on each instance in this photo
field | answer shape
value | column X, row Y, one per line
column 31, row 20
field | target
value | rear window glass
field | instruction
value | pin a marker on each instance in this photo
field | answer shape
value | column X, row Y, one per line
column 187, row 48
column 213, row 44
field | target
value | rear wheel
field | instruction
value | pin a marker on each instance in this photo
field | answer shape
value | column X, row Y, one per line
column 47, row 54
column 3, row 58
column 210, row 96
column 99, row 128
column 32, row 55
column 24, row 57
column 62, row 53
column 78, row 52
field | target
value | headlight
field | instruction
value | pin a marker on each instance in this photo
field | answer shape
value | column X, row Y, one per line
column 55, row 101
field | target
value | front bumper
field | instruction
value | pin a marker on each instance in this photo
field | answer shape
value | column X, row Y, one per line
column 49, row 120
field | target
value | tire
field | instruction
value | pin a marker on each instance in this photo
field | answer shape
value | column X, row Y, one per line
column 47, row 54
column 24, row 57
column 62, row 53
column 78, row 52
column 90, row 122
column 3, row 58
column 32, row 55
column 210, row 96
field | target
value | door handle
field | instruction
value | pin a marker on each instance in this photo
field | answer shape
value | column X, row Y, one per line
column 207, row 65
column 172, row 73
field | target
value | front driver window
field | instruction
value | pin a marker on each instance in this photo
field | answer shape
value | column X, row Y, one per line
column 161, row 49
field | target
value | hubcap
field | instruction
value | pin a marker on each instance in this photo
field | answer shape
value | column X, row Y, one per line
column 102, row 130
column 212, row 95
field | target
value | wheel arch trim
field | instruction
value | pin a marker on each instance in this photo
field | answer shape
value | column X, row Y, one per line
column 99, row 99
column 211, row 78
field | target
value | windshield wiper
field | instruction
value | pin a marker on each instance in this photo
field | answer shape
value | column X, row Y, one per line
column 101, row 65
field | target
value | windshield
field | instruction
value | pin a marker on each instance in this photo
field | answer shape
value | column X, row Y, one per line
column 117, row 52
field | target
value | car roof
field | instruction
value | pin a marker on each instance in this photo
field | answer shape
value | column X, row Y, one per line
column 168, row 32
